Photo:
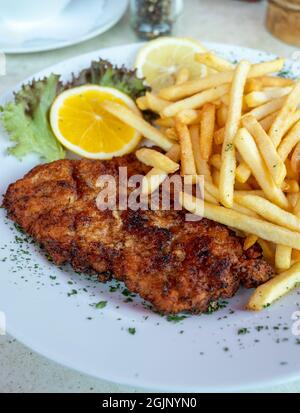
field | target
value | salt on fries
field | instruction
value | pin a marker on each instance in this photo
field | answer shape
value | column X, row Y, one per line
column 239, row 127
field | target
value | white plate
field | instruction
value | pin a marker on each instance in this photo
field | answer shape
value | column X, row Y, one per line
column 80, row 21
column 202, row 353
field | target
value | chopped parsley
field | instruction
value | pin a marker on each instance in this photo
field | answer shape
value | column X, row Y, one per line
column 175, row 318
column 101, row 304
column 73, row 292
column 243, row 331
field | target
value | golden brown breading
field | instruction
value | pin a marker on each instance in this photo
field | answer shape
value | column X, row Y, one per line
column 174, row 264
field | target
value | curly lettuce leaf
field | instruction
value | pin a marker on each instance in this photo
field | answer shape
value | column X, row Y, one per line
column 27, row 120
column 103, row 73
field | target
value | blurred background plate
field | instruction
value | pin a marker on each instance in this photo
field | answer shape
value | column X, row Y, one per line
column 94, row 17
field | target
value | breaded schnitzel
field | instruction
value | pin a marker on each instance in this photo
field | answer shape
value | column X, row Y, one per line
column 174, row 264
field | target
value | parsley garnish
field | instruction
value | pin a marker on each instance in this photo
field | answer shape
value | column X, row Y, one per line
column 101, row 304
column 176, row 318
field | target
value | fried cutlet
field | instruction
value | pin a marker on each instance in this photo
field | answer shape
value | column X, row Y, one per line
column 174, row 264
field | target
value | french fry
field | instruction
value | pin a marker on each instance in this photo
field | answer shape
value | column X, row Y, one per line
column 275, row 81
column 214, row 191
column 260, row 83
column 295, row 160
column 296, row 209
column 266, row 147
column 243, row 210
column 165, row 123
column 269, row 211
column 249, row 241
column 142, row 103
column 251, row 192
column 188, row 166
column 211, row 188
column 196, row 101
column 283, row 257
column 290, row 174
column 253, row 85
column 268, row 251
column 182, row 76
column 219, row 136
column 222, row 114
column 259, row 113
column 242, row 173
column 155, row 103
column 291, row 121
column 202, row 166
column 292, row 197
column 216, row 161
column 207, row 127
column 258, row 98
column 248, row 150
column 267, row 122
column 171, row 134
column 261, row 69
column 289, row 107
column 210, row 198
column 216, row 177
column 274, row 289
column 214, row 62
column 138, row 123
column 267, row 109
column 195, row 86
column 189, row 116
column 157, row 160
column 227, row 171
column 289, row 141
column 290, row 186
column 154, row 178
column 247, row 224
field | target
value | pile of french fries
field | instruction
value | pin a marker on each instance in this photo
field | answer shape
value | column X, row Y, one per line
column 239, row 127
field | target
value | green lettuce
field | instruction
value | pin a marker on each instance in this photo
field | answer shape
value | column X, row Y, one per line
column 26, row 119
column 103, row 73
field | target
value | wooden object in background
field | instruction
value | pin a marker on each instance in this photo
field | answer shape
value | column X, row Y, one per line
column 283, row 20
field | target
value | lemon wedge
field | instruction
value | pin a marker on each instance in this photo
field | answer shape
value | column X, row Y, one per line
column 82, row 126
column 159, row 60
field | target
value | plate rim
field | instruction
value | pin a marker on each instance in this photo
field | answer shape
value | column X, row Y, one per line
column 129, row 381
column 90, row 35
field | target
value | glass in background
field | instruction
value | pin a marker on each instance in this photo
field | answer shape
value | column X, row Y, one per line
column 283, row 20
column 154, row 18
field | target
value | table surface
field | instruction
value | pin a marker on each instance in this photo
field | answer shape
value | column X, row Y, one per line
column 226, row 21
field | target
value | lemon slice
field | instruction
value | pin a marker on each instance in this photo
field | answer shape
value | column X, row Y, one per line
column 159, row 60
column 82, row 126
